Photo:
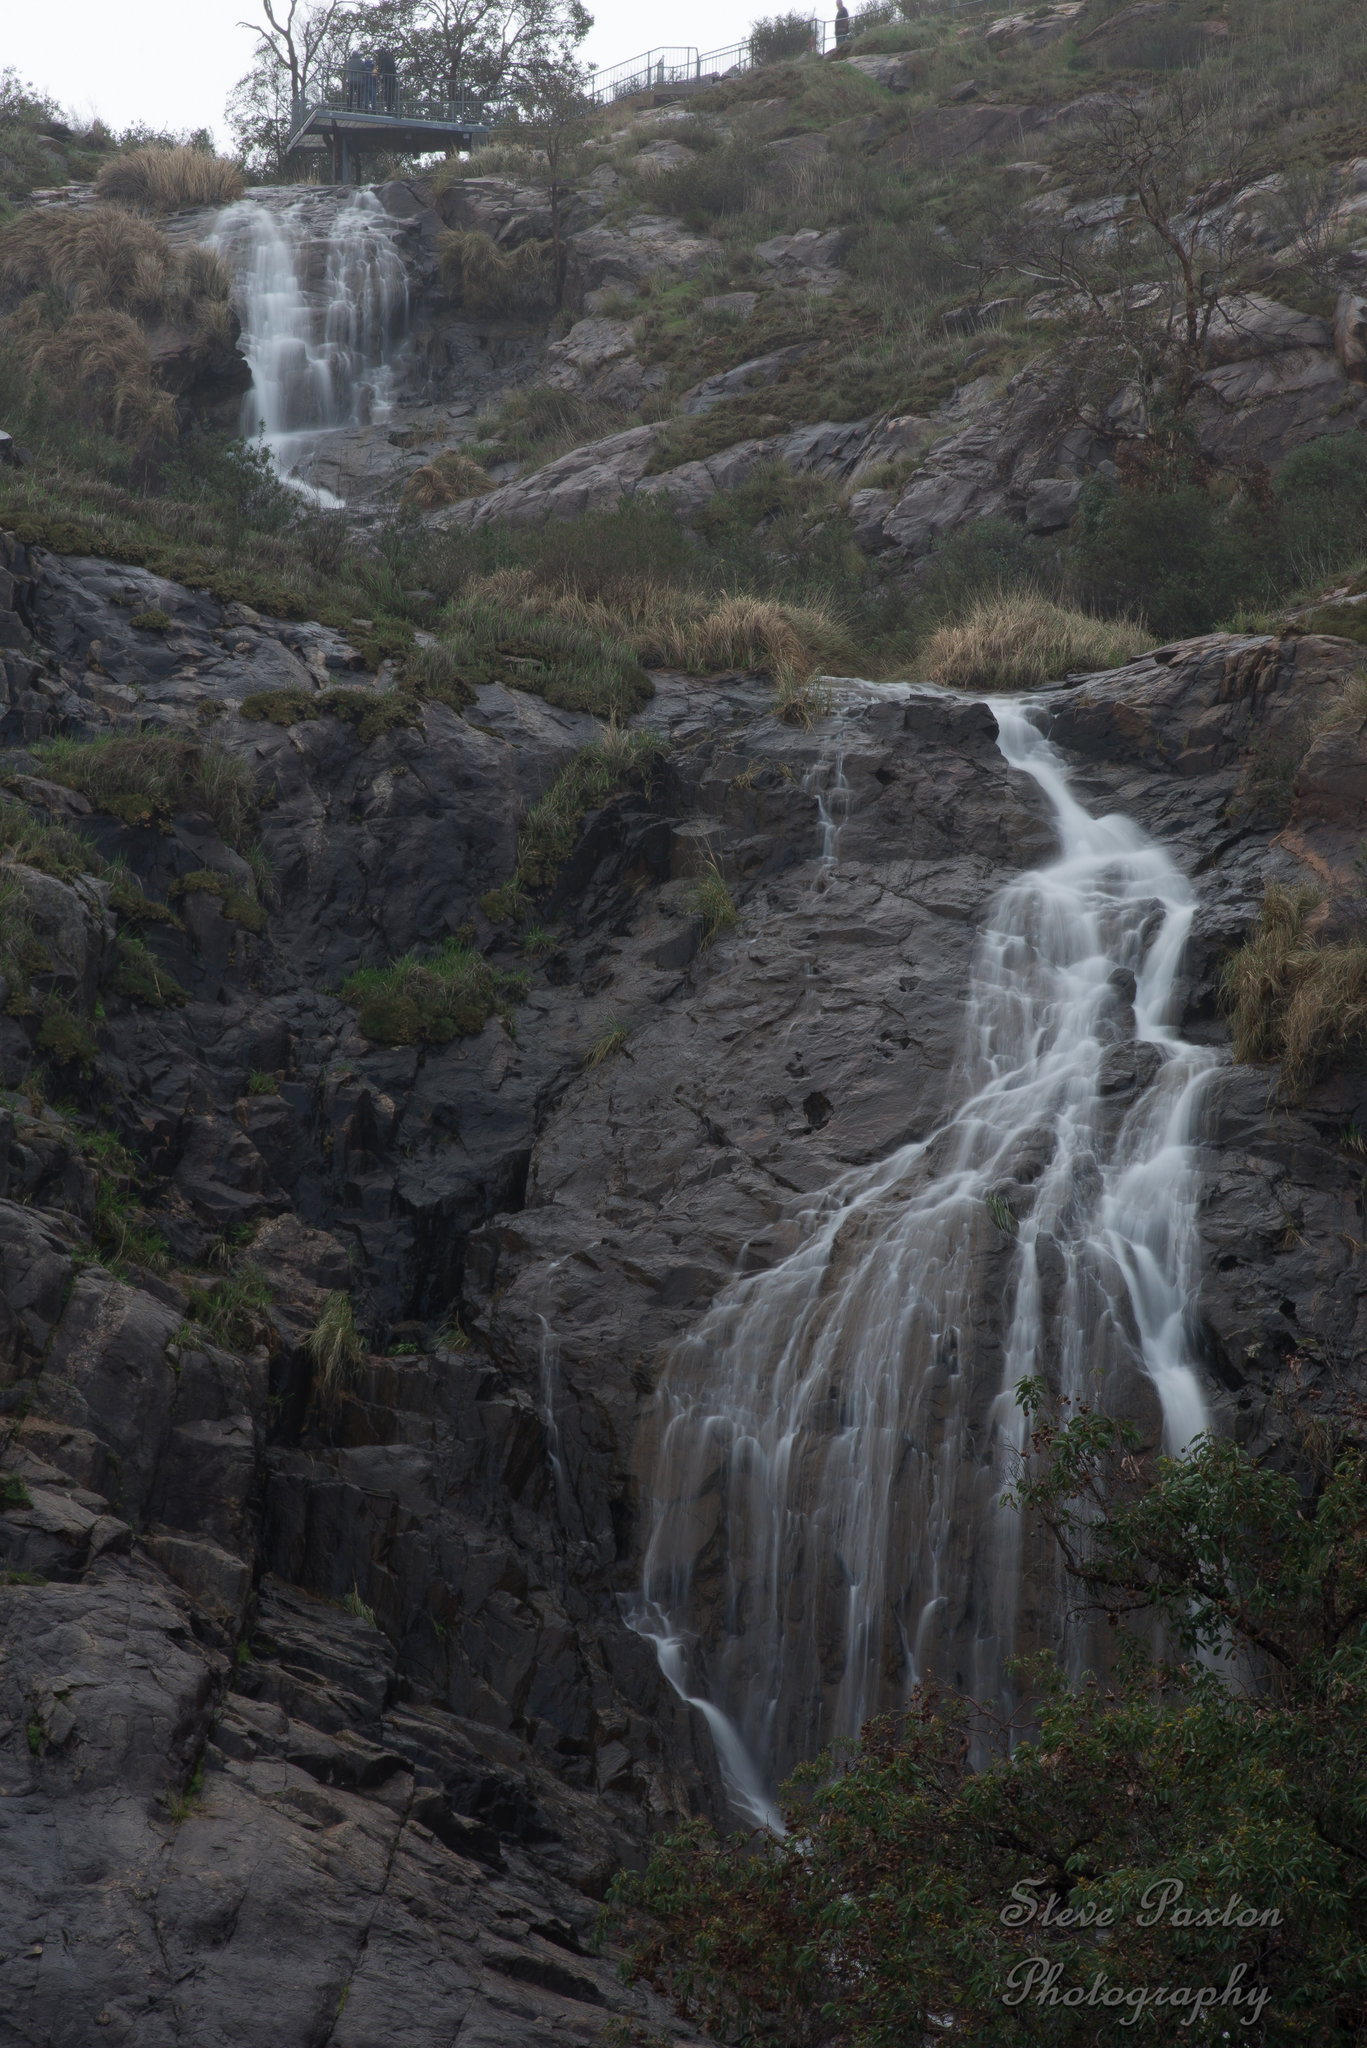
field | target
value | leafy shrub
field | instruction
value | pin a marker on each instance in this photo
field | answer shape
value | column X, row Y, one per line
column 1320, row 494
column 1018, row 640
column 1170, row 557
column 878, row 1918
column 163, row 180
column 66, row 1036
column 414, row 1002
column 155, row 621
column 775, row 37
column 145, row 778
column 1292, row 998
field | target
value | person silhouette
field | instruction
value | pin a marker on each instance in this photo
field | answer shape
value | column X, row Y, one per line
column 842, row 23
column 368, row 84
column 385, row 72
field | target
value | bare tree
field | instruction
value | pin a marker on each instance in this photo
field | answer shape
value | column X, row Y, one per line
column 294, row 35
column 1150, row 264
column 555, row 106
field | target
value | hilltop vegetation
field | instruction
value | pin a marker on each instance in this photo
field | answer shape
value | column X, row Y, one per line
column 1025, row 247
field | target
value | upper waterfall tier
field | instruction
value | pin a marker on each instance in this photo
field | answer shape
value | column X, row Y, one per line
column 832, row 1441
column 322, row 293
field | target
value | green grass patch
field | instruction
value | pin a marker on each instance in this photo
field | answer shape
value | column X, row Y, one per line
column 237, row 904
column 232, row 1313
column 370, row 715
column 140, row 977
column 451, row 995
column 144, row 779
column 620, row 760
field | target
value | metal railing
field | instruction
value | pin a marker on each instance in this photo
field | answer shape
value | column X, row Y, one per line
column 685, row 64
column 397, row 105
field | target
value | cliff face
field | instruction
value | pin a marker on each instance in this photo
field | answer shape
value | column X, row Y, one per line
column 319, row 1717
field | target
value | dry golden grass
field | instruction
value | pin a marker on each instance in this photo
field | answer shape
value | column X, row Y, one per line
column 1292, row 999
column 162, row 180
column 512, row 282
column 444, row 480
column 672, row 626
column 100, row 256
column 99, row 363
column 88, row 277
column 1020, row 640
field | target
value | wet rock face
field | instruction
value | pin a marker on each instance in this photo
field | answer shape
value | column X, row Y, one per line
column 318, row 1710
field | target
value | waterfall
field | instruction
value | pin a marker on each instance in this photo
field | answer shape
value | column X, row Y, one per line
column 825, row 1462
column 322, row 293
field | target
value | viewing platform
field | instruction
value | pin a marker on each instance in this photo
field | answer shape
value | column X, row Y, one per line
column 413, row 127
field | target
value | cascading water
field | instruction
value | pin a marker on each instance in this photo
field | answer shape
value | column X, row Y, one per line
column 830, row 1445
column 323, row 297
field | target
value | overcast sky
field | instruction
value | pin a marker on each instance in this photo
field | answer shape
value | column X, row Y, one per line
column 171, row 62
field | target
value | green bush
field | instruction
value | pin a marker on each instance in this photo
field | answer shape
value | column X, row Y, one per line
column 67, row 1037
column 414, row 1002
column 1170, row 557
column 1233, row 1767
column 777, row 36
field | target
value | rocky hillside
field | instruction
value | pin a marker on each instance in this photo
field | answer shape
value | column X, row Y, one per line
column 321, row 1719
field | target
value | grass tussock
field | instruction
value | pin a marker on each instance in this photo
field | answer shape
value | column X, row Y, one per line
column 335, row 1345
column 162, row 180
column 620, row 760
column 613, row 1037
column 145, row 778
column 654, row 623
column 429, row 1002
column 712, row 903
column 445, row 480
column 1020, row 640
column 1293, row 999
column 507, row 283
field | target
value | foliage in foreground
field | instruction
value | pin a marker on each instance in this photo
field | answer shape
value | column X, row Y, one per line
column 1202, row 1822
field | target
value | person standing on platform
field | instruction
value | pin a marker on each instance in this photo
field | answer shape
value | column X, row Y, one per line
column 386, row 71
column 368, row 84
column 842, row 23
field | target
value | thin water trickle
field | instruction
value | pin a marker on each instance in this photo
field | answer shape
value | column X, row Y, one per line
column 824, row 1472
column 322, row 294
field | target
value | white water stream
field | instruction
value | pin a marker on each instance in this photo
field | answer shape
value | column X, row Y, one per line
column 322, row 294
column 830, row 1445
